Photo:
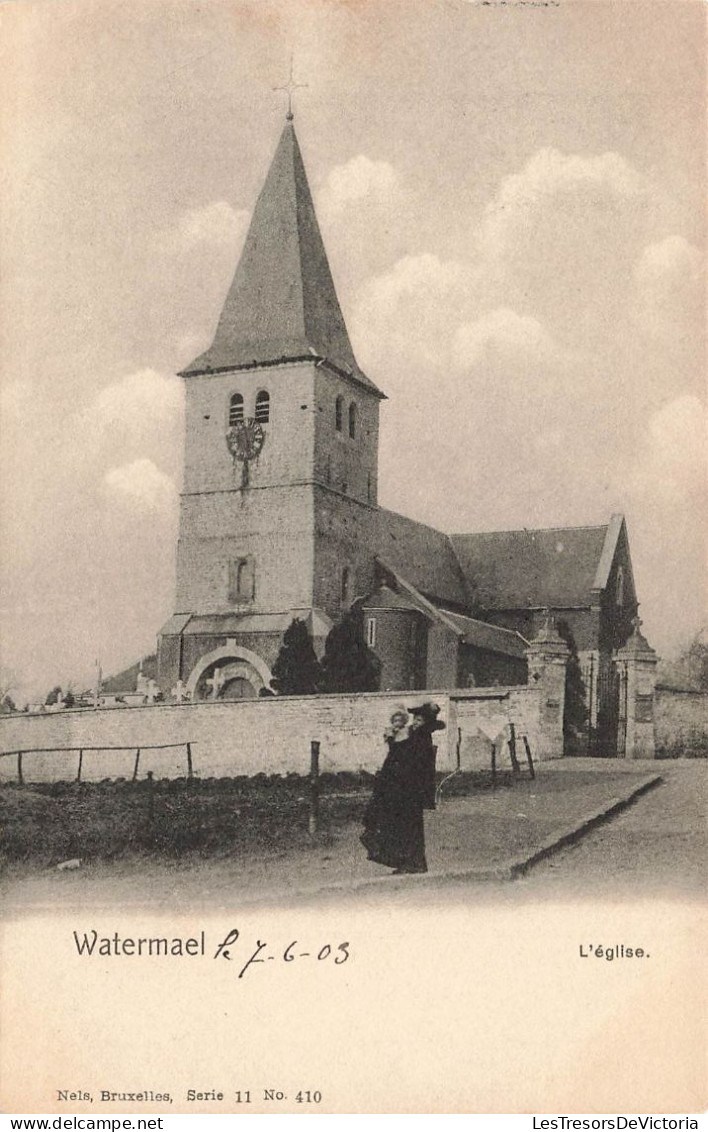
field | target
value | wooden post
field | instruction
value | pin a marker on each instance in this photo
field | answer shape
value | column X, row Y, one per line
column 313, row 823
column 528, row 756
column 190, row 768
column 81, row 759
column 512, row 749
column 20, row 779
column 494, row 767
column 137, row 762
column 151, row 797
column 458, row 748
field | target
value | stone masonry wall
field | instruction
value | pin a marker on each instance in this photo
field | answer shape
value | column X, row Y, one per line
column 481, row 717
column 273, row 526
column 681, row 722
column 247, row 737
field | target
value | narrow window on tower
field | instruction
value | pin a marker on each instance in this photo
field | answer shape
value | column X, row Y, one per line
column 235, row 409
column 339, row 413
column 345, row 583
column 368, row 487
column 241, row 574
column 263, row 407
column 371, row 632
column 352, row 420
column 242, row 580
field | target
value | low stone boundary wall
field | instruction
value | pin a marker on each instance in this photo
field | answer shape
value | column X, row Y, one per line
column 681, row 722
column 247, row 737
column 482, row 717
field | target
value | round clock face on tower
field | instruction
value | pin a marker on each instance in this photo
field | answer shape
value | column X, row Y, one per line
column 245, row 439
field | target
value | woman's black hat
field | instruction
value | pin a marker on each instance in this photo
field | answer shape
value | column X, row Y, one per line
column 429, row 713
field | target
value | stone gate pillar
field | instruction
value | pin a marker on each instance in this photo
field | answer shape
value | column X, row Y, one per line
column 637, row 662
column 547, row 657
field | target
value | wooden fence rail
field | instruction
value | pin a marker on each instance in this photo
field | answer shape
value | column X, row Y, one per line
column 81, row 750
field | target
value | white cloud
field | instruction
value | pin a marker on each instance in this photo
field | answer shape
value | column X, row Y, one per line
column 407, row 316
column 547, row 178
column 142, row 484
column 139, row 415
column 214, row 223
column 560, row 238
column 360, row 179
column 144, row 394
column 415, row 276
column 668, row 259
column 503, row 335
column 678, row 446
column 667, row 302
column 668, row 275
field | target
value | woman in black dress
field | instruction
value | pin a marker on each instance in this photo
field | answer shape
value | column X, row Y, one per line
column 394, row 833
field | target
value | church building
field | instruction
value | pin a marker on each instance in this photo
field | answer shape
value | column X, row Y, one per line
column 280, row 517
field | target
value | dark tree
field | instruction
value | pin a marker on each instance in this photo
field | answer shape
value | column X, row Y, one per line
column 54, row 696
column 696, row 661
column 348, row 664
column 689, row 671
column 69, row 700
column 296, row 671
column 575, row 712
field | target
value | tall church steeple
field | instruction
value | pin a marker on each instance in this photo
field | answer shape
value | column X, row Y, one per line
column 282, row 304
column 281, row 454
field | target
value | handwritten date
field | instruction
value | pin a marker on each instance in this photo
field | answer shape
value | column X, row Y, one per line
column 337, row 953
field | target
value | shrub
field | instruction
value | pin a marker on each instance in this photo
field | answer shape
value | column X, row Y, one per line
column 296, row 671
column 348, row 663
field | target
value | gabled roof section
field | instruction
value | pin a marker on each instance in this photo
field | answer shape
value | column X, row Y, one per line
column 423, row 555
column 616, row 530
column 282, row 304
column 417, row 600
column 479, row 634
column 492, row 638
column 558, row 568
column 385, row 597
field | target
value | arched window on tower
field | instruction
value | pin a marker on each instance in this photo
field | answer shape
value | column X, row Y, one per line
column 235, row 408
column 339, row 413
column 263, row 407
column 352, row 419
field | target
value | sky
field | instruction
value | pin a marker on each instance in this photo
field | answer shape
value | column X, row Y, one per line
column 512, row 200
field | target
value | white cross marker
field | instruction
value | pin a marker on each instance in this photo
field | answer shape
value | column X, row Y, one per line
column 179, row 691
column 216, row 681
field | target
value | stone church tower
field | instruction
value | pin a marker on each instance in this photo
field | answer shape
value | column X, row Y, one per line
column 281, row 457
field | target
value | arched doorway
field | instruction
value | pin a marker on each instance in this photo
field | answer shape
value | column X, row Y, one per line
column 228, row 673
column 238, row 688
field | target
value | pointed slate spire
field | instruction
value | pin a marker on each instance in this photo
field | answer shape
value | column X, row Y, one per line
column 282, row 303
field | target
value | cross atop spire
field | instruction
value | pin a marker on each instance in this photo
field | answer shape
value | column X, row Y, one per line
column 289, row 87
